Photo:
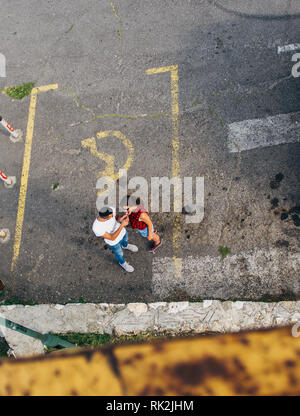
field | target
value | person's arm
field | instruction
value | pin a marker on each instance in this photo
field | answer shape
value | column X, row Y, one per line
column 146, row 219
column 117, row 232
column 129, row 209
column 119, row 218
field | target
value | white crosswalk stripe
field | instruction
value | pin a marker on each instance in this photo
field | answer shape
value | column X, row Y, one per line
column 248, row 275
column 263, row 132
column 288, row 48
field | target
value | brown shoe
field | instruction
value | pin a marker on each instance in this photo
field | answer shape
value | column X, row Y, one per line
column 155, row 246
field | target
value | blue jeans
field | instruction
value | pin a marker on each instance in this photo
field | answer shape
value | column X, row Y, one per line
column 144, row 232
column 117, row 249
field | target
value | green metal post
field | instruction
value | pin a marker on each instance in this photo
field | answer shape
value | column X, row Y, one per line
column 48, row 340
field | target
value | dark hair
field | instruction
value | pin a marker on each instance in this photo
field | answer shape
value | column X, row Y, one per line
column 105, row 212
column 131, row 200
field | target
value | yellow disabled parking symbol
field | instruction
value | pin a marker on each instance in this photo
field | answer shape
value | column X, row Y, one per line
column 109, row 159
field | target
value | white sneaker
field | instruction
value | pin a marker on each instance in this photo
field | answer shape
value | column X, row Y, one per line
column 131, row 247
column 127, row 267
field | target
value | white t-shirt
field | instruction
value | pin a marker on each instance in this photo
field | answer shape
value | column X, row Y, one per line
column 109, row 226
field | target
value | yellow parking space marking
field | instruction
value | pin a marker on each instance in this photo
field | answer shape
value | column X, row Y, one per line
column 25, row 169
column 175, row 157
column 91, row 144
column 109, row 171
column 44, row 88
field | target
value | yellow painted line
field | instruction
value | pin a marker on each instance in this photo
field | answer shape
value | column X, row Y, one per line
column 25, row 169
column 175, row 111
column 175, row 158
column 162, row 69
column 91, row 144
column 109, row 170
column 44, row 88
column 126, row 142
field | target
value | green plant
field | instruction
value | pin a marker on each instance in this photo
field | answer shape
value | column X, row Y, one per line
column 15, row 301
column 98, row 340
column 224, row 251
column 2, row 287
column 69, row 30
column 19, row 91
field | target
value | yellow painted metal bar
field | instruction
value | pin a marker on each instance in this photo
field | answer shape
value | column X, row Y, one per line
column 253, row 363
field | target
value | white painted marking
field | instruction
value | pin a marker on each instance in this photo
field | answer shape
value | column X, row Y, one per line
column 288, row 48
column 296, row 67
column 263, row 132
column 247, row 275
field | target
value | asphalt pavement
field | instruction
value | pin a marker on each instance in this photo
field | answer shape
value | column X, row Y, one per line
column 232, row 69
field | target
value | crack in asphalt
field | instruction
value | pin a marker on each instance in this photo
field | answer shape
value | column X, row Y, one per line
column 127, row 116
column 96, row 117
column 51, row 48
column 120, row 25
column 265, row 17
column 48, row 55
column 76, row 100
column 278, row 81
column 227, row 199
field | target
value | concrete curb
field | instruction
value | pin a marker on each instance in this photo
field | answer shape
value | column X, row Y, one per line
column 133, row 318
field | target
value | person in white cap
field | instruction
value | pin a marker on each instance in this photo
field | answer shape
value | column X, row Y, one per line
column 111, row 227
